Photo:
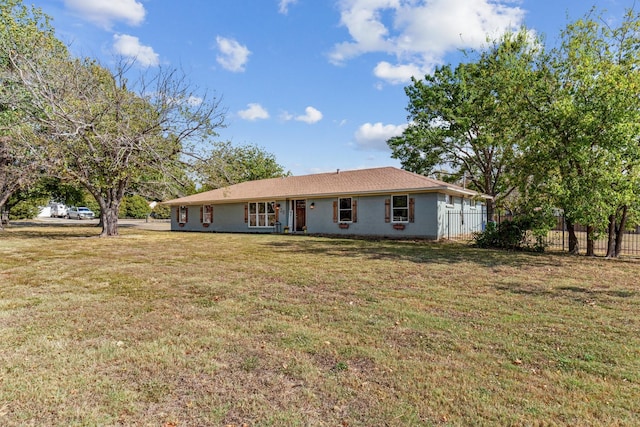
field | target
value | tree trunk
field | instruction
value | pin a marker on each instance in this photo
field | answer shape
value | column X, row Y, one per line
column 491, row 208
column 590, row 241
column 611, row 237
column 110, row 202
column 3, row 201
column 109, row 219
column 574, row 248
column 620, row 231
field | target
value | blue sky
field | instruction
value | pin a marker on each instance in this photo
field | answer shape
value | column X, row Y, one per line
column 318, row 83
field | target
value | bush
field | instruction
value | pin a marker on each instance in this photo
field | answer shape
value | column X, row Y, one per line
column 161, row 212
column 135, row 207
column 524, row 232
column 26, row 209
column 506, row 235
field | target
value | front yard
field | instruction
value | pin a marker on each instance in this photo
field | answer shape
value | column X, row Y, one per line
column 188, row 329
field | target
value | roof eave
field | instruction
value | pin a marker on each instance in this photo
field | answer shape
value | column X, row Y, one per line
column 440, row 189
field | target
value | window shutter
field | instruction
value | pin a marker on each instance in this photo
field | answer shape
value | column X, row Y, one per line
column 335, row 211
column 186, row 214
column 277, row 209
column 354, row 211
column 246, row 213
column 178, row 214
column 387, row 210
column 211, row 214
column 201, row 214
column 412, row 209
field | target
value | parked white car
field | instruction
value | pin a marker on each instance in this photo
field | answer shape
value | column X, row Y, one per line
column 81, row 212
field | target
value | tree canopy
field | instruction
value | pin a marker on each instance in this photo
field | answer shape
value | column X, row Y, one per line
column 227, row 164
column 93, row 126
column 460, row 118
column 582, row 118
column 28, row 31
column 557, row 128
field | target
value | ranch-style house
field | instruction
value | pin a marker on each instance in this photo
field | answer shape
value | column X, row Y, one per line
column 383, row 202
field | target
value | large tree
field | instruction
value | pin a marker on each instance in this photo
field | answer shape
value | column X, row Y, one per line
column 105, row 136
column 227, row 164
column 581, row 112
column 28, row 31
column 461, row 118
column 16, row 170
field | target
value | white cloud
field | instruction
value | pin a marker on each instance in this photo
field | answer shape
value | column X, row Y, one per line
column 419, row 33
column 130, row 47
column 233, row 56
column 363, row 20
column 254, row 112
column 286, row 116
column 105, row 12
column 374, row 136
column 398, row 74
column 284, row 6
column 311, row 116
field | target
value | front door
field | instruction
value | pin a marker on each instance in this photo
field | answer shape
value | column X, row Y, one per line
column 301, row 215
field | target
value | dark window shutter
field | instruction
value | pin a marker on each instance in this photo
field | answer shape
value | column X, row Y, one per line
column 387, row 210
column 277, row 209
column 186, row 214
column 354, row 211
column 201, row 213
column 246, row 213
column 412, row 209
column 178, row 214
column 335, row 211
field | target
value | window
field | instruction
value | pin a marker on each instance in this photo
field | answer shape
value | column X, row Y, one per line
column 449, row 199
column 207, row 214
column 182, row 214
column 400, row 208
column 262, row 214
column 472, row 203
column 345, row 210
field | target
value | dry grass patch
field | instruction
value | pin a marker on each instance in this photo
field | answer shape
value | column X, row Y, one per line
column 158, row 328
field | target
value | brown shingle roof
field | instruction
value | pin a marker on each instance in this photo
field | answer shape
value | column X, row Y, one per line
column 362, row 181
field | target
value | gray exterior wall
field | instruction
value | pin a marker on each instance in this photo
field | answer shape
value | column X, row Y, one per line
column 431, row 217
column 457, row 216
column 371, row 218
column 227, row 218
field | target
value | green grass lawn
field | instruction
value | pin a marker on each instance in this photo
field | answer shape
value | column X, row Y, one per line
column 186, row 329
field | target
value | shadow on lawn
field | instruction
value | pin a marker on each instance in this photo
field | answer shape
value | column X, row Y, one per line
column 422, row 252
column 62, row 229
column 612, row 293
column 43, row 230
column 576, row 293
